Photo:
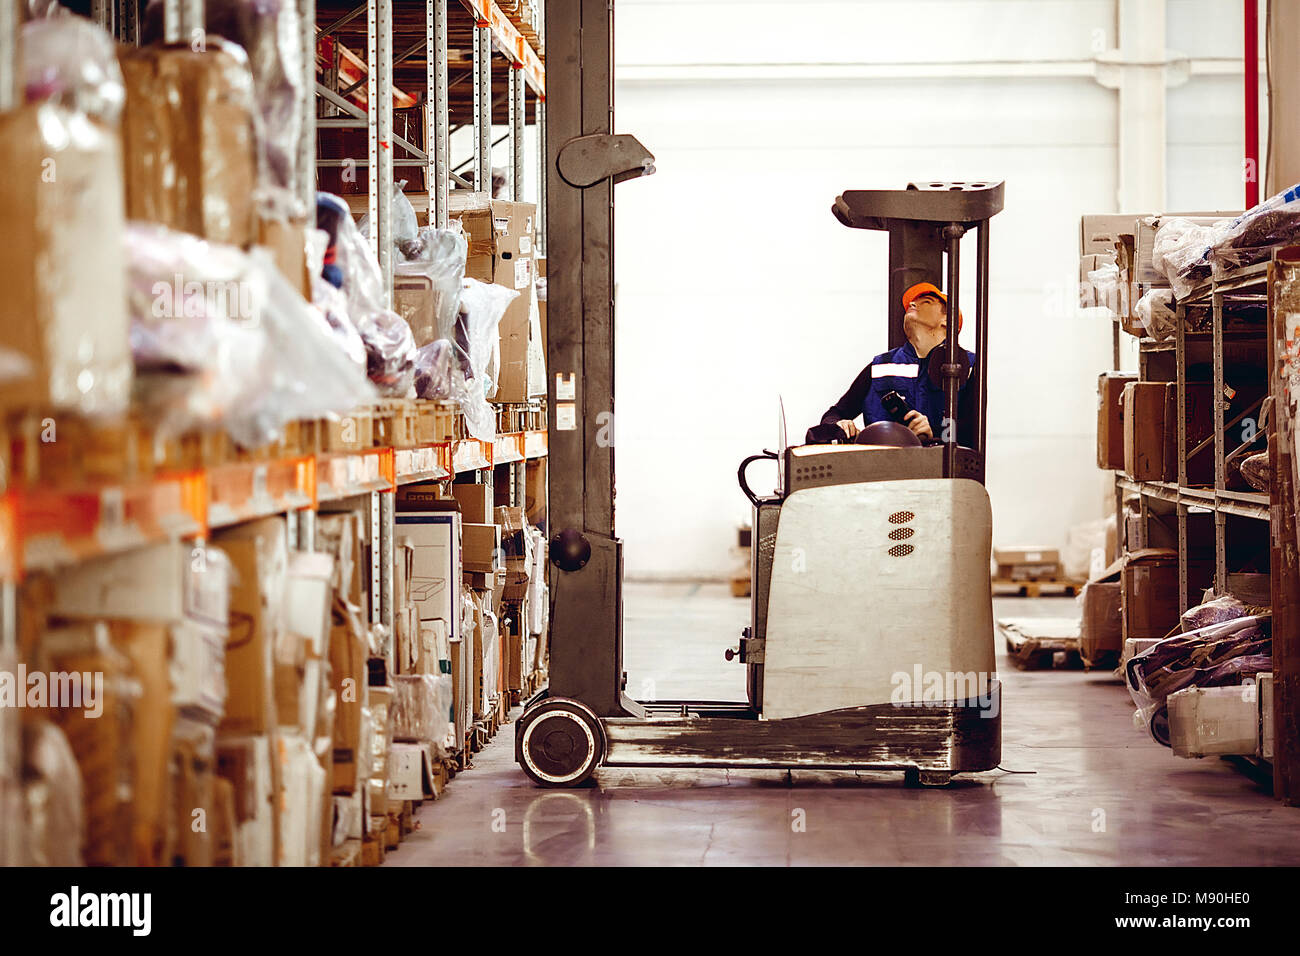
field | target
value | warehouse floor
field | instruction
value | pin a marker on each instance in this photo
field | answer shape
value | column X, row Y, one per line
column 1102, row 792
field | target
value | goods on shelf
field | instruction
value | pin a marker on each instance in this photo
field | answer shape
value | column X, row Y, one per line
column 1027, row 563
column 1101, row 629
column 1214, row 656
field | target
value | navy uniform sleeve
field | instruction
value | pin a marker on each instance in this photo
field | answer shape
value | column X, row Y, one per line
column 850, row 404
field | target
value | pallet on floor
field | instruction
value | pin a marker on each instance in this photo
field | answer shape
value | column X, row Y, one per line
column 1014, row 587
column 1042, row 643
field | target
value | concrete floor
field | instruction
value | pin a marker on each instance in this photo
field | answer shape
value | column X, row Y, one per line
column 1101, row 791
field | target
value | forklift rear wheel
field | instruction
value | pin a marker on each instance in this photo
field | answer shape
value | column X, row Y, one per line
column 561, row 742
column 912, row 777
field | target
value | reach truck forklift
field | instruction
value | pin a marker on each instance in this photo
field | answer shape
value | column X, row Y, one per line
column 870, row 642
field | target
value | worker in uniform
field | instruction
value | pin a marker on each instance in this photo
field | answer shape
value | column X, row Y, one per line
column 904, row 370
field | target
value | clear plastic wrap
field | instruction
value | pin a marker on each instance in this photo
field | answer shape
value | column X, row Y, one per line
column 1214, row 611
column 433, row 370
column 270, row 33
column 404, row 225
column 1102, row 287
column 221, row 337
column 53, row 824
column 1155, row 310
column 390, row 351
column 477, row 342
column 1180, row 251
column 1250, row 237
column 72, row 61
column 1212, row 656
column 440, row 258
column 357, row 268
column 416, row 712
column 333, row 307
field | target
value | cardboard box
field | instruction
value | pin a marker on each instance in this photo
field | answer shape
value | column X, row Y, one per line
column 1150, row 602
column 1101, row 628
column 1110, row 419
column 287, row 243
column 515, row 668
column 63, row 317
column 188, row 142
column 258, row 553
column 194, row 773
column 349, row 672
column 535, row 492
column 500, row 236
column 1214, row 721
column 406, row 772
column 1103, row 233
column 424, row 497
column 307, row 598
column 435, row 588
column 1144, row 430
column 475, row 502
column 481, row 547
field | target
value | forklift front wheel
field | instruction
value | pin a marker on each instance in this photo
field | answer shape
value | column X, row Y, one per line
column 560, row 742
column 914, row 777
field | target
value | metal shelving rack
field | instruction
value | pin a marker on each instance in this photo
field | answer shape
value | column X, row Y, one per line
column 43, row 528
column 1232, row 295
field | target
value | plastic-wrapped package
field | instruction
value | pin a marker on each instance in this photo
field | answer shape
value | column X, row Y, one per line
column 1212, row 656
column 433, row 370
column 269, row 31
column 1156, row 311
column 1082, row 542
column 414, row 711
column 1180, row 250
column 1250, row 237
column 357, row 268
column 1257, row 472
column 404, row 225
column 390, row 351
column 223, row 338
column 1102, row 287
column 477, row 345
column 1214, row 611
column 53, row 824
column 440, row 260
column 333, row 306
column 72, row 61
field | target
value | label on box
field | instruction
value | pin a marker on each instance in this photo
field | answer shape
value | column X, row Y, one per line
column 566, row 387
column 566, row 417
column 523, row 272
column 525, row 245
column 501, row 224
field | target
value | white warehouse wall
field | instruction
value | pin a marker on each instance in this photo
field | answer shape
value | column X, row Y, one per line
column 735, row 284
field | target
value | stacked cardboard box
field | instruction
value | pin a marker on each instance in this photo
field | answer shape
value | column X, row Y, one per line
column 1029, row 563
column 501, row 248
column 1150, row 416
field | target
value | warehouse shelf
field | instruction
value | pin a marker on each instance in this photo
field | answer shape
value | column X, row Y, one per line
column 1243, row 504
column 43, row 528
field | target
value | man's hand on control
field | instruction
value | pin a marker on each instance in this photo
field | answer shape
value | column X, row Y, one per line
column 919, row 424
column 850, row 430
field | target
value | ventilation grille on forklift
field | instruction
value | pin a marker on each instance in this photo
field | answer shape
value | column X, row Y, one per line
column 901, row 550
column 901, row 534
column 901, row 517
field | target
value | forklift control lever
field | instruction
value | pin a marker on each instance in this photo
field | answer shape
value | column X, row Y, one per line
column 740, row 474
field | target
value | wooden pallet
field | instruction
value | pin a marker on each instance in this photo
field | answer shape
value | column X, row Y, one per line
column 1011, row 587
column 740, row 586
column 1041, row 643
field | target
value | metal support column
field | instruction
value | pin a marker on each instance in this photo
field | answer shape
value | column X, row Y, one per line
column 8, row 54
column 307, row 144
column 171, row 21
column 541, row 176
column 518, row 112
column 437, row 177
column 1220, row 483
column 192, row 23
column 305, row 523
column 1180, row 361
column 102, row 12
column 379, row 126
column 483, row 107
column 386, row 566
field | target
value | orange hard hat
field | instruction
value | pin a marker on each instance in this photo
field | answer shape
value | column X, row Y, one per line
column 927, row 288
